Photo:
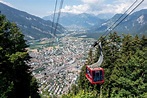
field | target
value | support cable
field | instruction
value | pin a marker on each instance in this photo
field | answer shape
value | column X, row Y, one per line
column 126, row 16
column 121, row 16
column 54, row 16
column 61, row 3
column 106, row 33
column 99, row 42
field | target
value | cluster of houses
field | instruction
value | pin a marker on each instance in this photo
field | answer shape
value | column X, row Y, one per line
column 57, row 68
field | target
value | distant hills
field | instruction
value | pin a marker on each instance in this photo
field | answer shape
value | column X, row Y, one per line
column 36, row 28
column 77, row 21
column 136, row 23
column 32, row 27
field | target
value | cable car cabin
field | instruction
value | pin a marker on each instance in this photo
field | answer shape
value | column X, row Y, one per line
column 95, row 75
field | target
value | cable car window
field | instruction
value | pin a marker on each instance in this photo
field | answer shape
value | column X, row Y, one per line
column 88, row 72
column 97, row 76
column 101, row 75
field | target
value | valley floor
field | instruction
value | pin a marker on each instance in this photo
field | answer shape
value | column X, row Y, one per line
column 57, row 67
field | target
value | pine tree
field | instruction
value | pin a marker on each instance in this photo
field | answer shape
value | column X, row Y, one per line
column 125, row 69
column 128, row 73
column 111, row 50
column 15, row 77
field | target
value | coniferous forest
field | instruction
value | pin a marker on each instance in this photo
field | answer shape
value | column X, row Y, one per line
column 125, row 65
column 16, row 80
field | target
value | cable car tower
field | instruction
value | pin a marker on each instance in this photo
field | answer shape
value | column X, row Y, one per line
column 95, row 73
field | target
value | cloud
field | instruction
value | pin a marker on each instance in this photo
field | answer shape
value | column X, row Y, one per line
column 102, row 6
column 143, row 5
column 111, row 8
column 77, row 9
column 92, row 1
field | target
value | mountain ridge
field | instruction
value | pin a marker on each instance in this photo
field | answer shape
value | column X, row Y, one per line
column 77, row 21
column 136, row 23
column 31, row 26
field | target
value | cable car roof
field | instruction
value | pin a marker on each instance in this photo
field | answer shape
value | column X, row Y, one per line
column 94, row 68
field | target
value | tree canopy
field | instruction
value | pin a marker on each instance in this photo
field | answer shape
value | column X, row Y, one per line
column 125, row 66
column 16, row 80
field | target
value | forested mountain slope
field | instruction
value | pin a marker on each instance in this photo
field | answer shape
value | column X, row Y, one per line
column 16, row 80
column 125, row 66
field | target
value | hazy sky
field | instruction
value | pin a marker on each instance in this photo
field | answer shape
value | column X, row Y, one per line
column 45, row 7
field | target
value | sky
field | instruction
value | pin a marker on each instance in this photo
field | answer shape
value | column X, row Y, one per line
column 43, row 8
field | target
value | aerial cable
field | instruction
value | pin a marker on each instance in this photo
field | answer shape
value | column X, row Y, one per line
column 99, row 42
column 54, row 16
column 61, row 3
column 94, row 73
column 120, row 20
column 120, row 17
column 126, row 15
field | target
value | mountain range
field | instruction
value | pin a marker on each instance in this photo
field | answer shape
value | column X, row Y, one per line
column 135, row 23
column 36, row 28
column 31, row 26
column 77, row 21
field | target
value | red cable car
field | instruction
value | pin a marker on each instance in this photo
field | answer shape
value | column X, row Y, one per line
column 95, row 75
